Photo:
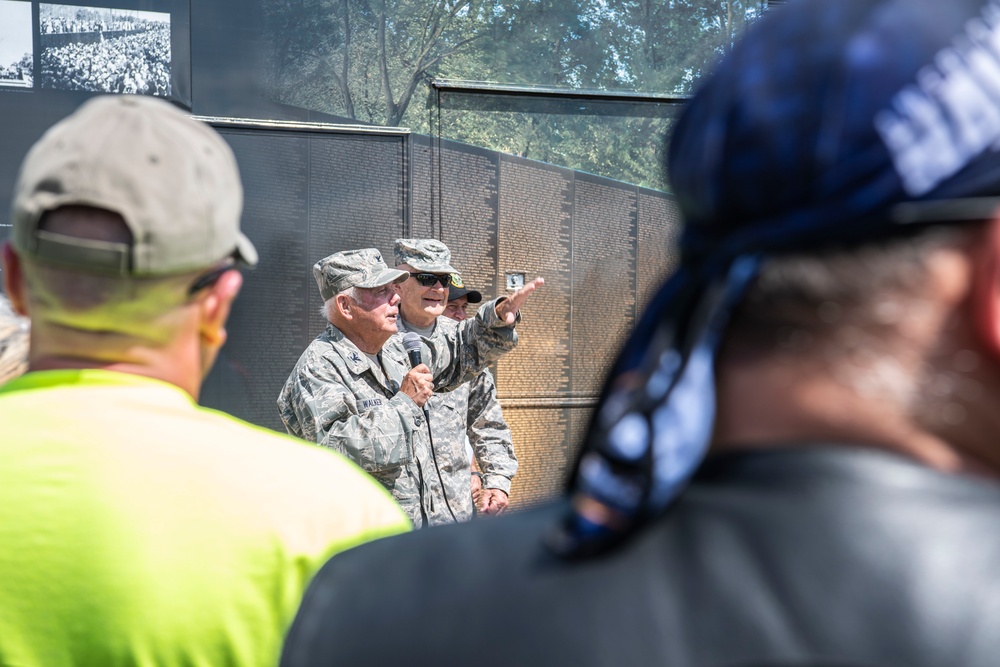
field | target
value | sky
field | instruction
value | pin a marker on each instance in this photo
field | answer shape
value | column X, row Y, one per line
column 15, row 30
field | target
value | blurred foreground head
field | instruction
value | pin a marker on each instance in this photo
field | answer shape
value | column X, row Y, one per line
column 125, row 227
column 841, row 259
column 13, row 342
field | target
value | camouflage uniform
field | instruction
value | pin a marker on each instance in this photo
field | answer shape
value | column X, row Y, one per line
column 471, row 411
column 337, row 397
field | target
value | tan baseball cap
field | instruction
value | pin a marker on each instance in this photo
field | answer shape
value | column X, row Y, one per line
column 172, row 178
column 363, row 268
column 424, row 254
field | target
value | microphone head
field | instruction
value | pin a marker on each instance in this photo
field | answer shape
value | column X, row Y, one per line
column 411, row 342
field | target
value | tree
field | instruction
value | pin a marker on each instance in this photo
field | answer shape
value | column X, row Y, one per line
column 369, row 60
column 364, row 59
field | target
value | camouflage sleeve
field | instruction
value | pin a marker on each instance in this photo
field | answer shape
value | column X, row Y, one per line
column 377, row 434
column 489, row 434
column 465, row 349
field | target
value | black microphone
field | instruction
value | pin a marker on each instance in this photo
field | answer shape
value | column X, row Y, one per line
column 411, row 343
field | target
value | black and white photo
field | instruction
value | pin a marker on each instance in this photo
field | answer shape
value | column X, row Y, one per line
column 17, row 56
column 102, row 49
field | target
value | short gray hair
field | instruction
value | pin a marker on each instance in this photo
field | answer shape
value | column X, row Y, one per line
column 352, row 292
column 811, row 296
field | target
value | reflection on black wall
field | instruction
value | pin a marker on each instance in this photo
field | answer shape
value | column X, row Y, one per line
column 308, row 194
column 311, row 193
column 217, row 55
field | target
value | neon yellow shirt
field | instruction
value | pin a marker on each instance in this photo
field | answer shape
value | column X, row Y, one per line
column 137, row 528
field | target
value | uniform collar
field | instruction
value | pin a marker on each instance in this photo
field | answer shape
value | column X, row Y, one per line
column 356, row 360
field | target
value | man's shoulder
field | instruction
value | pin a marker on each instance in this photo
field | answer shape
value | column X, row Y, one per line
column 488, row 545
column 329, row 348
column 310, row 476
column 393, row 348
column 265, row 447
column 430, row 573
column 804, row 551
column 446, row 558
column 445, row 325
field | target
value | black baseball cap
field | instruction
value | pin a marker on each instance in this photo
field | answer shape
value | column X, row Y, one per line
column 457, row 289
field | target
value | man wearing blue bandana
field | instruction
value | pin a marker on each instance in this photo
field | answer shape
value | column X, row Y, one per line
column 795, row 458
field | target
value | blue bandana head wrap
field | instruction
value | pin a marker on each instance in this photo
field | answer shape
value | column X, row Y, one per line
column 831, row 123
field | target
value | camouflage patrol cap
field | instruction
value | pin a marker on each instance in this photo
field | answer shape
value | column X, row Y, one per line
column 173, row 180
column 363, row 268
column 424, row 254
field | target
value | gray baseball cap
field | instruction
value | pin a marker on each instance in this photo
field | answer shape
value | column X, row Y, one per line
column 172, row 178
column 354, row 268
column 424, row 254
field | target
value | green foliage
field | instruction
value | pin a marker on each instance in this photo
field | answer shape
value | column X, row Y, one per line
column 372, row 61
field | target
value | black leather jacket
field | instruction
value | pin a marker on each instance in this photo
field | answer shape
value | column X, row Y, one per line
column 806, row 556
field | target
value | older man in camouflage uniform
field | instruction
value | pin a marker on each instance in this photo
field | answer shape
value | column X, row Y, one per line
column 353, row 389
column 470, row 411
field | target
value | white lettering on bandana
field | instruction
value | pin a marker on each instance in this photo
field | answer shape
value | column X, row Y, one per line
column 952, row 113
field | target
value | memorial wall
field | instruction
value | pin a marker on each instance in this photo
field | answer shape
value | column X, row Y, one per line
column 602, row 245
column 307, row 194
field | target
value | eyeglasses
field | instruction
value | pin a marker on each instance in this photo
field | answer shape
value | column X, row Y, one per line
column 210, row 278
column 428, row 279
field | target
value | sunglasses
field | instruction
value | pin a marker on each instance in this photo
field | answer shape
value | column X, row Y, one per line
column 210, row 278
column 429, row 279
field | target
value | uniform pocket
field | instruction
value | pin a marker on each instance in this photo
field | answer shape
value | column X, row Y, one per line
column 384, row 446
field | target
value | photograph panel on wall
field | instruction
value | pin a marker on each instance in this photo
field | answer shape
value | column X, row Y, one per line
column 17, row 54
column 105, row 49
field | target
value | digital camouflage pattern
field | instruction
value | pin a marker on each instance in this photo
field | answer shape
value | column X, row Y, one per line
column 471, row 410
column 353, row 268
column 424, row 255
column 337, row 397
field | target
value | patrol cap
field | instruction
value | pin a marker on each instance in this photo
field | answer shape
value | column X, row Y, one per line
column 457, row 289
column 424, row 254
column 363, row 268
column 173, row 179
column 887, row 115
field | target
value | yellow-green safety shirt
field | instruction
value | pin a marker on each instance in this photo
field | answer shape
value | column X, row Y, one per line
column 137, row 528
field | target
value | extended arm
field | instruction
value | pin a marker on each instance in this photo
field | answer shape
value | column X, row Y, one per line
column 466, row 349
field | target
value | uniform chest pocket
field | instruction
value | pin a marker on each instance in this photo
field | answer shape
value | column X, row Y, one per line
column 383, row 443
column 449, row 428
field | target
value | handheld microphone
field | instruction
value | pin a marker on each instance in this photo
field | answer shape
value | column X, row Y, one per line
column 411, row 343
